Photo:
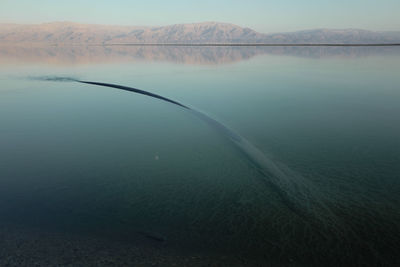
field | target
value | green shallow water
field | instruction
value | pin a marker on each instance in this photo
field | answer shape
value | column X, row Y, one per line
column 76, row 158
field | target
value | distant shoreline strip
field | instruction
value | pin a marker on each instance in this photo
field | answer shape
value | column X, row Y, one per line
column 250, row 44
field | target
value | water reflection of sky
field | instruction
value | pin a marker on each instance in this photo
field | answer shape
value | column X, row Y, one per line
column 75, row 156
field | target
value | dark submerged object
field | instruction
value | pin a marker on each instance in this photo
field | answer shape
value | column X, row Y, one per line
column 321, row 230
column 134, row 90
column 297, row 194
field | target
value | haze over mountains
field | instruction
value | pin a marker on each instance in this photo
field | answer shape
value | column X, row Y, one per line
column 195, row 33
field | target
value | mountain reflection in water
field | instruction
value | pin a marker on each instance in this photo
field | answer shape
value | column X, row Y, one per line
column 71, row 55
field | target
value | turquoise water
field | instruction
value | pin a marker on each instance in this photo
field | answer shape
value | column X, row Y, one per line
column 78, row 158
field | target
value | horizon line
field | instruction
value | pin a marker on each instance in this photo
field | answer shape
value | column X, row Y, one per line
column 203, row 44
column 246, row 44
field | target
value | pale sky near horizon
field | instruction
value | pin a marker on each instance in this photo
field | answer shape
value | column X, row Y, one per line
column 262, row 15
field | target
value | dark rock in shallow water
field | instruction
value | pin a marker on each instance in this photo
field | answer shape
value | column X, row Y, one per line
column 154, row 236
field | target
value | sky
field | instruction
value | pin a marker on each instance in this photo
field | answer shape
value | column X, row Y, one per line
column 262, row 15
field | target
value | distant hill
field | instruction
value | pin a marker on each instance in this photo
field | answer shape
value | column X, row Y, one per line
column 206, row 32
column 334, row 36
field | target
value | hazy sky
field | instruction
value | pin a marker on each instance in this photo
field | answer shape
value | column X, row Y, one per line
column 262, row 15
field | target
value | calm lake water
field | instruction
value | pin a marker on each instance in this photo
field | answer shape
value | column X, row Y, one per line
column 84, row 160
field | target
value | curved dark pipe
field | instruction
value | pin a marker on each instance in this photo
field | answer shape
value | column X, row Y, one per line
column 134, row 90
column 290, row 191
column 298, row 194
column 249, row 151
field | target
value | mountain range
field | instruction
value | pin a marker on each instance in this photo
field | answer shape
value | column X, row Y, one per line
column 196, row 33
